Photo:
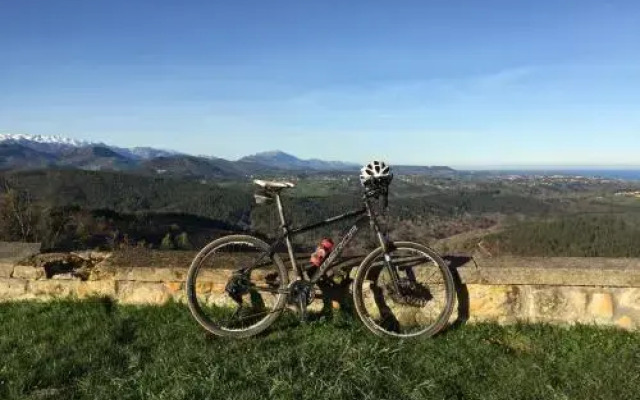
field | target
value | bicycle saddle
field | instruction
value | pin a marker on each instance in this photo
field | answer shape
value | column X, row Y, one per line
column 271, row 185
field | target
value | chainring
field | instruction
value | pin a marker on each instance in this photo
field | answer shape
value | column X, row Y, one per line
column 301, row 290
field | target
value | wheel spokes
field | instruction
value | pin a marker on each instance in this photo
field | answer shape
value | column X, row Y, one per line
column 422, row 296
column 249, row 295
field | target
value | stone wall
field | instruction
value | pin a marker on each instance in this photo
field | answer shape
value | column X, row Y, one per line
column 505, row 290
column 555, row 290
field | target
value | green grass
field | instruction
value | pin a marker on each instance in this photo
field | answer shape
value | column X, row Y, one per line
column 98, row 350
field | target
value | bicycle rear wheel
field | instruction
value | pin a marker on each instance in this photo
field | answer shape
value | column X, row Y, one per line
column 228, row 302
column 426, row 296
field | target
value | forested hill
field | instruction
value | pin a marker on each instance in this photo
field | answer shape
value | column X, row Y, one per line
column 129, row 193
column 88, row 203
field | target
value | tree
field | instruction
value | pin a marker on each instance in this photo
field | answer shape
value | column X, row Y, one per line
column 54, row 226
column 182, row 241
column 18, row 214
column 167, row 242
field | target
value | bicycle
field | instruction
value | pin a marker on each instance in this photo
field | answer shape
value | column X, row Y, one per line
column 394, row 275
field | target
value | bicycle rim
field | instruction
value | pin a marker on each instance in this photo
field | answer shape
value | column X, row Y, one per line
column 422, row 306
column 259, row 296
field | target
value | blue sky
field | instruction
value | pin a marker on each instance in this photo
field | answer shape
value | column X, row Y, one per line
column 462, row 83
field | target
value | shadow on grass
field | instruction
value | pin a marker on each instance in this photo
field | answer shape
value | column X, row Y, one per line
column 107, row 303
column 333, row 293
column 462, row 293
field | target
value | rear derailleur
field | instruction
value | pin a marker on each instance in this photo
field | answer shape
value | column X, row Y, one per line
column 237, row 286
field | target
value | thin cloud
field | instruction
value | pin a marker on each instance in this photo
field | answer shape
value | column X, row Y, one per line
column 408, row 94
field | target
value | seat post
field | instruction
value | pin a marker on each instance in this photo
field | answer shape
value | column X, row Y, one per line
column 287, row 239
column 283, row 220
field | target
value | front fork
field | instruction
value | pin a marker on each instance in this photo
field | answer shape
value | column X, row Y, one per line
column 388, row 264
column 387, row 247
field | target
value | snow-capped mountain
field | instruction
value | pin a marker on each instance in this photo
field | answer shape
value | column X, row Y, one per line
column 56, row 145
column 60, row 140
column 46, row 144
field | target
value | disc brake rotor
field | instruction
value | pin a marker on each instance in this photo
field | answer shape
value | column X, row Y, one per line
column 412, row 294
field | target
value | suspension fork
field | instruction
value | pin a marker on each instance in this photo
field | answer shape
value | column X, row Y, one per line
column 387, row 247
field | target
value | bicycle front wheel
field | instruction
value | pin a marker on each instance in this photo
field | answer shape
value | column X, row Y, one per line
column 226, row 299
column 421, row 302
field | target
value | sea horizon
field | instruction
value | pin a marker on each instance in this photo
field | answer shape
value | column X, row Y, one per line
column 600, row 172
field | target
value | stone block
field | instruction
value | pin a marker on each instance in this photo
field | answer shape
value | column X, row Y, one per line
column 601, row 306
column 625, row 322
column 214, row 275
column 558, row 303
column 180, row 274
column 121, row 273
column 176, row 291
column 629, row 298
column 100, row 255
column 493, row 302
column 12, row 288
column 53, row 288
column 6, row 269
column 103, row 271
column 173, row 287
column 218, row 288
column 204, row 288
column 28, row 272
column 147, row 274
column 558, row 271
column 69, row 276
column 142, row 293
column 96, row 288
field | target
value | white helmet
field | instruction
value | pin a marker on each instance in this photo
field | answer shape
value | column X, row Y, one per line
column 375, row 172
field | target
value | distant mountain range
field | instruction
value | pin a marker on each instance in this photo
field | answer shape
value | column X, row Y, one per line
column 59, row 144
column 37, row 151
column 281, row 160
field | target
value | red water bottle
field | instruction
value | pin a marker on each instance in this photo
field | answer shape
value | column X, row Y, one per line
column 322, row 251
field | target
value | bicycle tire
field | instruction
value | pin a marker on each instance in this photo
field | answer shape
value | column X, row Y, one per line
column 192, row 285
column 369, row 319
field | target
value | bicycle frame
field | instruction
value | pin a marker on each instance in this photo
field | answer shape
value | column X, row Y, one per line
column 255, row 314
column 287, row 234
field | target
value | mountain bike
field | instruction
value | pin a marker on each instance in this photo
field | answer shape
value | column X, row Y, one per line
column 238, row 285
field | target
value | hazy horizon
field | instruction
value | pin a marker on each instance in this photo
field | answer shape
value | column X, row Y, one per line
column 504, row 167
